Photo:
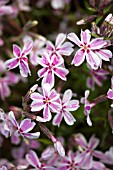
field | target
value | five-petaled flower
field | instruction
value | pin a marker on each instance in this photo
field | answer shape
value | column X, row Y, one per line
column 20, row 58
column 51, row 65
column 25, row 126
column 91, row 49
column 49, row 102
column 60, row 48
column 67, row 105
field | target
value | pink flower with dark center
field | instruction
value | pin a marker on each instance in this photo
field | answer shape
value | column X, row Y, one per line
column 93, row 50
column 67, row 106
column 23, row 129
column 88, row 150
column 60, row 48
column 49, row 102
column 51, row 66
column 20, row 58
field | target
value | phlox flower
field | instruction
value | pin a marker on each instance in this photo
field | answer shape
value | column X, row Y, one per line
column 51, row 65
column 3, row 168
column 108, row 157
column 93, row 50
column 20, row 58
column 67, row 106
column 97, row 76
column 23, row 129
column 49, row 101
column 38, row 49
column 33, row 160
column 60, row 48
column 89, row 150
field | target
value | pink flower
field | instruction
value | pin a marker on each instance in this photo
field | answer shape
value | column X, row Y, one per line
column 97, row 76
column 88, row 150
column 23, row 129
column 33, row 160
column 60, row 48
column 49, row 102
column 67, row 105
column 108, row 157
column 91, row 49
column 20, row 58
column 51, row 66
column 38, row 49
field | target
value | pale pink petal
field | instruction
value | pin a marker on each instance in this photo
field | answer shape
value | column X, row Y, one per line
column 67, row 96
column 89, row 120
column 12, row 119
column 104, row 54
column 49, row 78
column 79, row 57
column 47, row 113
column 93, row 142
column 55, row 107
column 59, row 148
column 37, row 106
column 33, row 159
column 69, row 119
column 32, row 135
column 28, row 45
column 12, row 63
column 80, row 139
column 16, row 50
column 98, row 165
column 72, row 105
column 36, row 96
column 85, row 36
column 24, row 68
column 93, row 60
column 56, row 61
column 66, row 49
column 42, row 72
column 4, row 90
column 26, row 125
column 61, row 72
column 110, row 94
column 73, row 37
column 44, row 61
column 60, row 39
column 57, row 119
column 50, row 46
column 33, row 58
column 53, row 95
column 98, row 154
column 97, row 43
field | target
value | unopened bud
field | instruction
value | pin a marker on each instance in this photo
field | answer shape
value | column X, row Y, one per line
column 85, row 20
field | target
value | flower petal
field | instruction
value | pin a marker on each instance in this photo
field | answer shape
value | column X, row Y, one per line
column 93, row 142
column 97, row 43
column 12, row 119
column 32, row 135
column 26, row 125
column 16, row 50
column 85, row 36
column 33, row 159
column 110, row 94
column 73, row 37
column 66, row 49
column 48, row 79
column 37, row 106
column 69, row 119
column 28, row 45
column 93, row 60
column 79, row 57
column 12, row 63
column 24, row 68
column 72, row 105
column 36, row 96
column 104, row 54
column 60, row 39
column 61, row 72
column 57, row 119
column 46, row 113
column 67, row 96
